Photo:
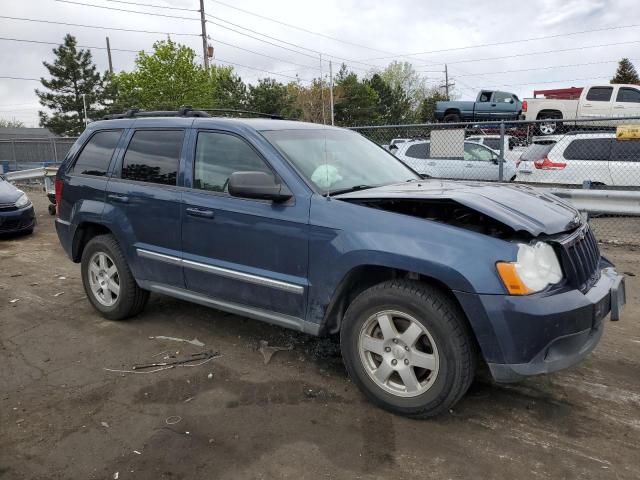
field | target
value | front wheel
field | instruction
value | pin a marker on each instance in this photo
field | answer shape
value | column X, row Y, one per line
column 408, row 347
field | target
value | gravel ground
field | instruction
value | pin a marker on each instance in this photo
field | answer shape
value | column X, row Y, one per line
column 62, row 415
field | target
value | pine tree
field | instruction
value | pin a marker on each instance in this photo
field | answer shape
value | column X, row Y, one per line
column 73, row 74
column 626, row 73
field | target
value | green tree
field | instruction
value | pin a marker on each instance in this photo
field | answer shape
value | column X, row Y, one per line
column 358, row 104
column 271, row 96
column 402, row 75
column 626, row 73
column 427, row 110
column 13, row 123
column 227, row 89
column 166, row 79
column 73, row 74
column 394, row 106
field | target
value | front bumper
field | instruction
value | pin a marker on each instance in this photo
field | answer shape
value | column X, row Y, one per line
column 543, row 333
column 19, row 220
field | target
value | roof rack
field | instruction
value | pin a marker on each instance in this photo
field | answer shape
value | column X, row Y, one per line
column 185, row 111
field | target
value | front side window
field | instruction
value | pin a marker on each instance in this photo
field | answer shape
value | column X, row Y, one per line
column 492, row 143
column 153, row 156
column 588, row 149
column 599, row 94
column 218, row 155
column 477, row 153
column 96, row 154
column 335, row 160
column 628, row 95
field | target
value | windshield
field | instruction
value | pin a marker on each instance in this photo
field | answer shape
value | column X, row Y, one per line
column 335, row 160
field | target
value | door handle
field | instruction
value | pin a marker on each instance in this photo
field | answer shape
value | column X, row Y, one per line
column 493, row 104
column 200, row 212
column 619, row 106
column 468, row 165
column 118, row 198
column 431, row 164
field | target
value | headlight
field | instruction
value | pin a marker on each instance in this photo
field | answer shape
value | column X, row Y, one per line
column 22, row 201
column 536, row 268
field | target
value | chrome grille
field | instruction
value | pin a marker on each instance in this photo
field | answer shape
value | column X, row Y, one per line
column 581, row 258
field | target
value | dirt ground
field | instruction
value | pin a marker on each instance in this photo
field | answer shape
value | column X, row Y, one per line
column 63, row 416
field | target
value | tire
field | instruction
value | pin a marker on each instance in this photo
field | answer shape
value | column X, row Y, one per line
column 444, row 342
column 100, row 280
column 452, row 118
column 52, row 209
column 548, row 128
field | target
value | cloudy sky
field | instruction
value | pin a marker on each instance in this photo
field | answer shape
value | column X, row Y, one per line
column 486, row 44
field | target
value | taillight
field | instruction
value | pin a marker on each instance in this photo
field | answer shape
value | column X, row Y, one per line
column 524, row 106
column 546, row 164
column 58, row 185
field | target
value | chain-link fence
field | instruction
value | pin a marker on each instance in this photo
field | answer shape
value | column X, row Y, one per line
column 24, row 153
column 591, row 155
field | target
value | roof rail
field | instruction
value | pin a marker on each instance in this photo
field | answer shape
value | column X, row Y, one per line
column 244, row 112
column 587, row 131
column 185, row 111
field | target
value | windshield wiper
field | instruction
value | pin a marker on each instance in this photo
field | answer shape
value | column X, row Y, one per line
column 354, row 188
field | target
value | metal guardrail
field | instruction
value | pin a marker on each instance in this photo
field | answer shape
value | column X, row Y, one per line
column 612, row 202
column 31, row 174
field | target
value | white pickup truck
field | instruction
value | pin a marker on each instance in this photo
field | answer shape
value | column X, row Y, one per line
column 596, row 101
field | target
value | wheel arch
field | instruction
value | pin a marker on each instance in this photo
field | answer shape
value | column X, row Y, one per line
column 84, row 232
column 549, row 113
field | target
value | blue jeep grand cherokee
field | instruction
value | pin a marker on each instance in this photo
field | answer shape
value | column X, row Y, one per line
column 317, row 229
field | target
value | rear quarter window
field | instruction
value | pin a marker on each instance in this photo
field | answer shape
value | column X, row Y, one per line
column 588, row 149
column 625, row 151
column 153, row 156
column 599, row 94
column 420, row 150
column 96, row 155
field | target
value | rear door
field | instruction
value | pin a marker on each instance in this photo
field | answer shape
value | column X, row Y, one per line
column 627, row 103
column 417, row 156
column 251, row 253
column 625, row 162
column 478, row 163
column 597, row 103
column 143, row 201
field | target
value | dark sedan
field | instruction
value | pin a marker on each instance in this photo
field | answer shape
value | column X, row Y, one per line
column 16, row 211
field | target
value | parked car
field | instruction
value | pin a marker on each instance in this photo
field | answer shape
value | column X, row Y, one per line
column 393, row 144
column 596, row 101
column 478, row 162
column 489, row 105
column 597, row 157
column 317, row 229
column 16, row 211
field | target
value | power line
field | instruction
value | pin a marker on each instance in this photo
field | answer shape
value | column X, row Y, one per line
column 510, row 42
column 550, row 67
column 153, row 5
column 552, row 81
column 21, row 78
column 543, row 52
column 262, row 54
column 126, row 10
column 99, row 27
column 262, row 70
column 58, row 43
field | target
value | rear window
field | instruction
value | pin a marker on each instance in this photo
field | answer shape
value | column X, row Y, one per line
column 588, row 149
column 96, row 154
column 153, row 156
column 419, row 150
column 599, row 94
column 625, row 151
column 536, row 152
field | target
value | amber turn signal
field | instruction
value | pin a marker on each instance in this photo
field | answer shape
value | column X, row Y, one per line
column 511, row 280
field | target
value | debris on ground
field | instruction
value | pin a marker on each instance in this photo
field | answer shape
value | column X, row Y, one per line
column 173, row 420
column 104, row 424
column 58, row 294
column 210, row 376
column 116, row 476
column 137, row 452
column 268, row 352
column 14, row 275
column 195, row 341
column 14, row 300
column 199, row 358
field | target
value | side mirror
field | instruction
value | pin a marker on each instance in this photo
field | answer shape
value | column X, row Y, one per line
column 258, row 185
column 494, row 159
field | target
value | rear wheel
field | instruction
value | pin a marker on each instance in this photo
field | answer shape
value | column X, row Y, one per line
column 408, row 348
column 452, row 118
column 108, row 281
column 548, row 127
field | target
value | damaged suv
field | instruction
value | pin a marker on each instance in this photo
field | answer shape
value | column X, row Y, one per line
column 318, row 229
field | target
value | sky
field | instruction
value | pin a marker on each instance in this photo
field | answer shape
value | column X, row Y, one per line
column 486, row 44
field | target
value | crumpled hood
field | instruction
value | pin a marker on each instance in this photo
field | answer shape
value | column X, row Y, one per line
column 520, row 207
column 8, row 193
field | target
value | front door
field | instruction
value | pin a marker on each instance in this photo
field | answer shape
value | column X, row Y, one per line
column 627, row 103
column 251, row 253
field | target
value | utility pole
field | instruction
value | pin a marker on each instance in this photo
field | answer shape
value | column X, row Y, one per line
column 324, row 118
column 203, row 24
column 446, row 81
column 331, row 89
column 84, row 105
column 109, row 57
